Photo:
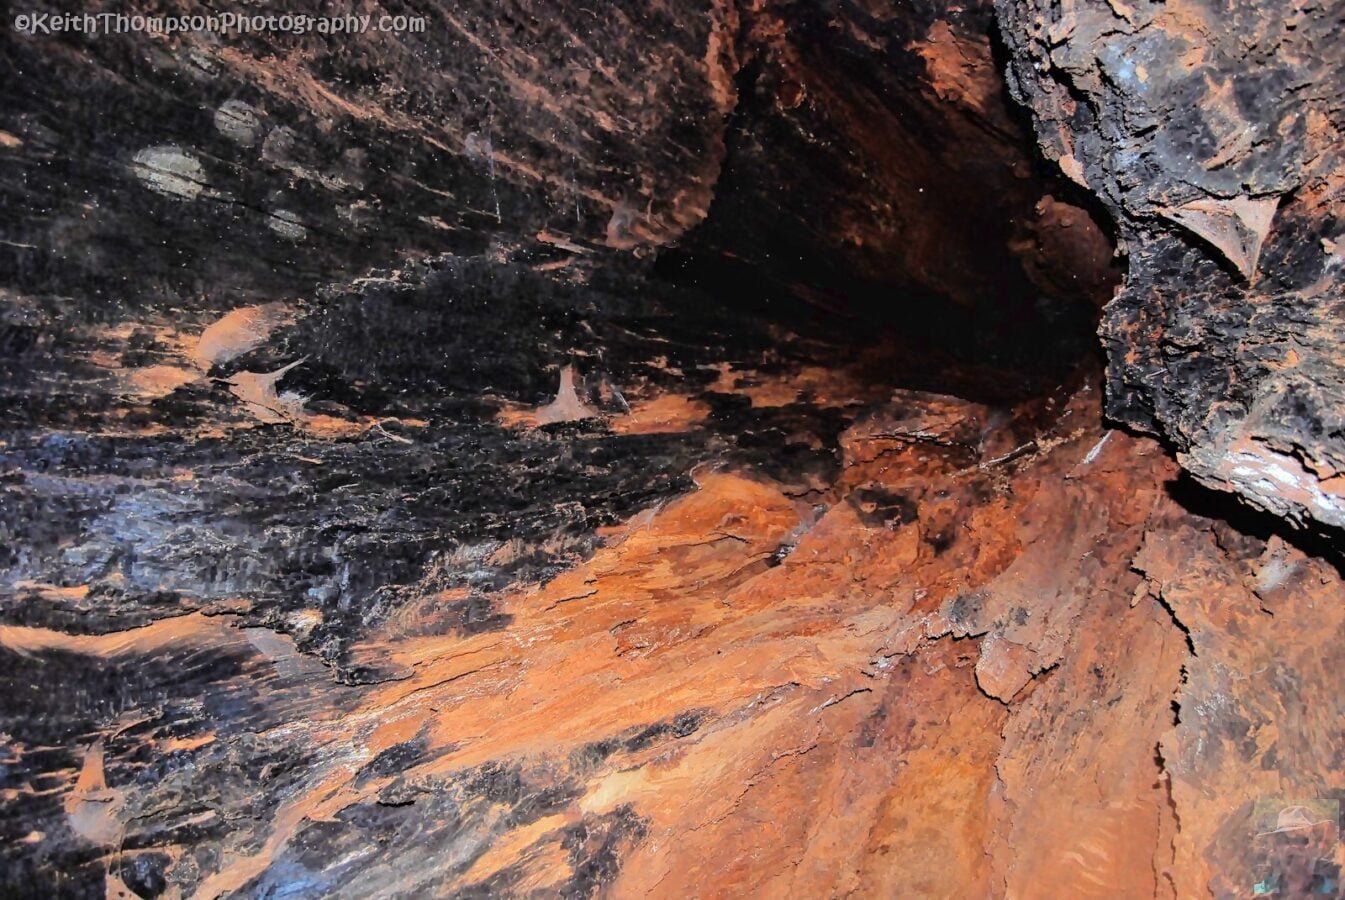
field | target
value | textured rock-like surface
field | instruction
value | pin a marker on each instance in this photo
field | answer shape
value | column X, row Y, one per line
column 950, row 665
column 426, row 471
column 1212, row 132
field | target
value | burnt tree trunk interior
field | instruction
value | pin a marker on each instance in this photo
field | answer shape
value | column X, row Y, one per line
column 713, row 448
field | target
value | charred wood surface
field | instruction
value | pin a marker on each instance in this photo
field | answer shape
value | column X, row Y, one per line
column 619, row 449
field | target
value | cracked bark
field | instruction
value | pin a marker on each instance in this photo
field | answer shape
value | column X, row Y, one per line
column 1223, row 173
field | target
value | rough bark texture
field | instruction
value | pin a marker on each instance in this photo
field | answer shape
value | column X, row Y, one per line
column 620, row 449
column 1212, row 132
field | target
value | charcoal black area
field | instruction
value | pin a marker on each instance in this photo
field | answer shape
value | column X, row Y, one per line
column 165, row 522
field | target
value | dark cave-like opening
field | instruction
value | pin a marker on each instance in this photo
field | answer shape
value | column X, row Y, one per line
column 893, row 199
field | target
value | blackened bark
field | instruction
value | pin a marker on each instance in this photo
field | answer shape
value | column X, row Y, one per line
column 1212, row 132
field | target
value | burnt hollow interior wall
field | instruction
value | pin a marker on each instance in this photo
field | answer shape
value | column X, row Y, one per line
column 1211, row 131
column 864, row 157
column 646, row 445
column 320, row 234
column 952, row 231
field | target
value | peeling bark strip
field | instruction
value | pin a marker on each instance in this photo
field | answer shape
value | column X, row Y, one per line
column 1213, row 134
